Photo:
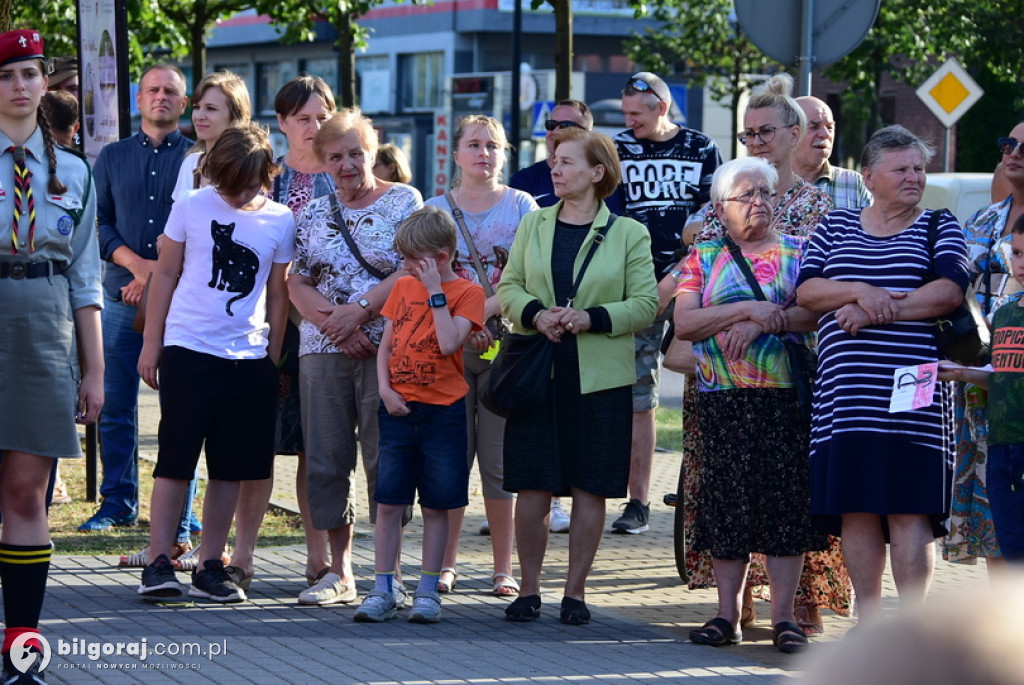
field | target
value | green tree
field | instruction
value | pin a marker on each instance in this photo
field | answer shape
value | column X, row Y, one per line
column 296, row 19
column 702, row 42
column 195, row 18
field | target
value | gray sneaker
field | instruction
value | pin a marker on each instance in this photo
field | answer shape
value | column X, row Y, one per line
column 376, row 608
column 426, row 608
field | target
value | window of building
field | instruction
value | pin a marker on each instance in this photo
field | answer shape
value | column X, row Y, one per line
column 422, row 81
column 327, row 69
column 270, row 77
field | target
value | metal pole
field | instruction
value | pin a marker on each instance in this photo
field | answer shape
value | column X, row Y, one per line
column 806, row 46
column 949, row 139
column 517, row 58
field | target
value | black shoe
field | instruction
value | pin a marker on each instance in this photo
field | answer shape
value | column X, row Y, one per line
column 635, row 518
column 30, row 676
column 214, row 583
column 158, row 579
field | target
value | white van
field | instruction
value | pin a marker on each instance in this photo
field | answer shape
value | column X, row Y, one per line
column 961, row 193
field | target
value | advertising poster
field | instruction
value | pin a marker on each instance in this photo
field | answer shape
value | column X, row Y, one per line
column 98, row 75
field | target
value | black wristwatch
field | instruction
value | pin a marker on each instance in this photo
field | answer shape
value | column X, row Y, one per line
column 438, row 300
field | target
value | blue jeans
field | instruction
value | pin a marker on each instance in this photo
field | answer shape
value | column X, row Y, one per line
column 1005, row 484
column 119, row 421
column 425, row 451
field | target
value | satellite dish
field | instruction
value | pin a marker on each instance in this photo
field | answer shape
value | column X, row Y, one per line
column 838, row 26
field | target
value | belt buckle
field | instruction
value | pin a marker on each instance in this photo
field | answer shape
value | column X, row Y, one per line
column 18, row 270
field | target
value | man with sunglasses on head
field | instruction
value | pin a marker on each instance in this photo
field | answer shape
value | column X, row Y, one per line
column 810, row 159
column 536, row 178
column 666, row 176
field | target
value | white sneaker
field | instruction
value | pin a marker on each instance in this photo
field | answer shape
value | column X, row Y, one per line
column 400, row 594
column 376, row 608
column 559, row 518
column 328, row 590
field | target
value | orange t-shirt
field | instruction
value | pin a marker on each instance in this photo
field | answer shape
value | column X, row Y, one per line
column 419, row 372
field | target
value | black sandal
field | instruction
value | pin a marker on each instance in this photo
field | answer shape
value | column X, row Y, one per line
column 788, row 637
column 574, row 612
column 523, row 609
column 717, row 632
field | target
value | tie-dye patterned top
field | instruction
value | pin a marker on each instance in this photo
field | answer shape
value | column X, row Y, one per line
column 710, row 271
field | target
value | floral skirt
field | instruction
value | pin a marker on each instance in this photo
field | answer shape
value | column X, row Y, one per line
column 824, row 581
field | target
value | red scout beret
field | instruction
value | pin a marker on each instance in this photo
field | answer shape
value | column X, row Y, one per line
column 16, row 46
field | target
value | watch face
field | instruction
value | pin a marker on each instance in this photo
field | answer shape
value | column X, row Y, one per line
column 438, row 300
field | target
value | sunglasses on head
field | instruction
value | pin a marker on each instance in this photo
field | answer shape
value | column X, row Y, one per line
column 552, row 124
column 638, row 85
column 1008, row 146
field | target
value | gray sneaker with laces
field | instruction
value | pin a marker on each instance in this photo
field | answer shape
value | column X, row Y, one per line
column 635, row 518
column 376, row 608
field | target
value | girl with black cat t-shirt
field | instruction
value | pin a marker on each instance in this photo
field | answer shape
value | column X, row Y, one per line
column 214, row 337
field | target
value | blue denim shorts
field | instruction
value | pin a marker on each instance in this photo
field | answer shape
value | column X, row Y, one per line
column 1005, row 484
column 424, row 451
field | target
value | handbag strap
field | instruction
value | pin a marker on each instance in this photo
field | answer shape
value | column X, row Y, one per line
column 744, row 266
column 353, row 248
column 478, row 263
column 933, row 238
column 598, row 239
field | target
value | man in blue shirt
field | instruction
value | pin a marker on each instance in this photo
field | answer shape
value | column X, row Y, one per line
column 134, row 180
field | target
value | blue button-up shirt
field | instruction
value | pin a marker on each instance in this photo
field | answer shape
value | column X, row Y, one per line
column 134, row 180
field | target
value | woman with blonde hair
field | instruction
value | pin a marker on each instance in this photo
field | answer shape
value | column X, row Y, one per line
column 392, row 164
column 220, row 101
column 490, row 212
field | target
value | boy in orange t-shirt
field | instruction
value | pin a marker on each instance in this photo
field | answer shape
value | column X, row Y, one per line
column 422, row 419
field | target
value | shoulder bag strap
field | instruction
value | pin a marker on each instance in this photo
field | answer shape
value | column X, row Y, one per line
column 478, row 263
column 744, row 266
column 598, row 239
column 343, row 230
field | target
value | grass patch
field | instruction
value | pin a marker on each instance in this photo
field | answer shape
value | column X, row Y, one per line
column 669, row 423
column 279, row 529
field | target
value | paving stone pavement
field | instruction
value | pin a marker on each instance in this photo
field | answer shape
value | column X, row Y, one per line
column 641, row 616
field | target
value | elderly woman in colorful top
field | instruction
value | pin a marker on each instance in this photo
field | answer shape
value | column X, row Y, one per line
column 773, row 125
column 49, row 298
column 971, row 533
column 576, row 441
column 754, row 494
column 877, row 281
column 345, row 266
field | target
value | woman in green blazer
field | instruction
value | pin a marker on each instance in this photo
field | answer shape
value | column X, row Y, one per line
column 576, row 440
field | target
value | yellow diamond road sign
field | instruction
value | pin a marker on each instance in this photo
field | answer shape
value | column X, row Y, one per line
column 949, row 92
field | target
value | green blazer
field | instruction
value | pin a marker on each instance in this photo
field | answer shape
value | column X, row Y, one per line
column 620, row 278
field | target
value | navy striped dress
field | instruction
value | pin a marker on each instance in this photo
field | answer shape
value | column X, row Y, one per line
column 864, row 459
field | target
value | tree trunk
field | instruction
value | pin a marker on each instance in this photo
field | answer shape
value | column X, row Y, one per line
column 738, row 88
column 197, row 29
column 346, row 59
column 5, row 16
column 563, row 49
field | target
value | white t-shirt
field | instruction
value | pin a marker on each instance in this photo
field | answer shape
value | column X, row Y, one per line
column 186, row 176
column 219, row 306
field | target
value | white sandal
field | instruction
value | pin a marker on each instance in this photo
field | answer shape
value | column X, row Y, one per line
column 504, row 585
column 447, row 586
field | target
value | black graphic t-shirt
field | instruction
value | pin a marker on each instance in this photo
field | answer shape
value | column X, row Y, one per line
column 663, row 183
column 1006, row 387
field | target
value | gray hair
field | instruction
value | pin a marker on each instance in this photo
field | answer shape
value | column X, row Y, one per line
column 723, row 182
column 777, row 96
column 891, row 138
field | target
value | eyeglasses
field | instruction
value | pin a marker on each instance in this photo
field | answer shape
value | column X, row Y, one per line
column 752, row 196
column 765, row 133
column 640, row 86
column 1009, row 146
column 552, row 124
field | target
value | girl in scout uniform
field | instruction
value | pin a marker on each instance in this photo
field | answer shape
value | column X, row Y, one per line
column 49, row 295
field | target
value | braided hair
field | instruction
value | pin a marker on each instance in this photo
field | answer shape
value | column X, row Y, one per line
column 54, row 186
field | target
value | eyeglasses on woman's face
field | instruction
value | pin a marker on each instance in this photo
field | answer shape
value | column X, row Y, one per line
column 1009, row 146
column 766, row 134
column 752, row 196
